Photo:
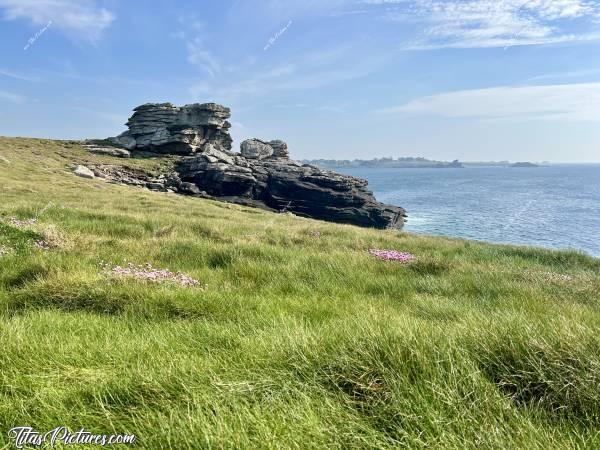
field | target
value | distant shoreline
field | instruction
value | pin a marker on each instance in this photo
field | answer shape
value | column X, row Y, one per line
column 387, row 163
column 411, row 163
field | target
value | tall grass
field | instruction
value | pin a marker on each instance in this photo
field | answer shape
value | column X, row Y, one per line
column 299, row 340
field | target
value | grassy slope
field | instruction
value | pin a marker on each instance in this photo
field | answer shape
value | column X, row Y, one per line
column 298, row 340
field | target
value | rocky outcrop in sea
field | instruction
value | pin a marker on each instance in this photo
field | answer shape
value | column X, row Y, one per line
column 262, row 174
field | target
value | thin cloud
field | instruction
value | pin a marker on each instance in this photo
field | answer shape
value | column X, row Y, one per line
column 193, row 32
column 82, row 17
column 491, row 23
column 18, row 76
column 562, row 101
column 201, row 57
column 563, row 75
column 309, row 71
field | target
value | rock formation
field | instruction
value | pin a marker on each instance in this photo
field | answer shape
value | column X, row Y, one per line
column 261, row 174
column 83, row 172
column 164, row 128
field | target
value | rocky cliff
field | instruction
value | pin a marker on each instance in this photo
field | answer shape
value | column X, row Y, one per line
column 261, row 174
column 165, row 128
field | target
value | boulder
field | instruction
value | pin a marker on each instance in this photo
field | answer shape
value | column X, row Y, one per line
column 189, row 188
column 110, row 151
column 280, row 149
column 256, row 149
column 156, row 185
column 84, row 172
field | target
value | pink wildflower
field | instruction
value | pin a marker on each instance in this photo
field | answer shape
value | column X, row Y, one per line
column 21, row 223
column 42, row 244
column 149, row 273
column 392, row 255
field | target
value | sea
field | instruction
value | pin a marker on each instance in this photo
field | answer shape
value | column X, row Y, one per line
column 555, row 206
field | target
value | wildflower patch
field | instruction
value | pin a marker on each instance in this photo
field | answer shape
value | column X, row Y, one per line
column 392, row 255
column 148, row 273
column 549, row 276
column 21, row 223
column 16, row 239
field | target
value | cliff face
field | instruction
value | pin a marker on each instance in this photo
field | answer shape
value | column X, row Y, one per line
column 261, row 174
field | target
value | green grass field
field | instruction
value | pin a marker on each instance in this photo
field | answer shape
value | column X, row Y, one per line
column 299, row 338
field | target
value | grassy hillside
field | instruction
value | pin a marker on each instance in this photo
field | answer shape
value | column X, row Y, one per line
column 297, row 337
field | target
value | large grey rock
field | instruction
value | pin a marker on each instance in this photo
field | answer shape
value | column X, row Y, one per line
column 110, row 151
column 169, row 129
column 84, row 172
column 189, row 188
column 256, row 149
column 210, row 151
column 258, row 176
column 280, row 149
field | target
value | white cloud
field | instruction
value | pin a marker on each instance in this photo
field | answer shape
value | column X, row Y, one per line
column 14, row 98
column 18, row 76
column 492, row 23
column 311, row 70
column 83, row 17
column 562, row 101
column 201, row 57
column 563, row 75
column 192, row 31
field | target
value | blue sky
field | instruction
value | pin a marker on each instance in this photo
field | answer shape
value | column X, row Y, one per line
column 470, row 79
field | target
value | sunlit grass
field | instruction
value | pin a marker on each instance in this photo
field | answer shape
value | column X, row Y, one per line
column 299, row 339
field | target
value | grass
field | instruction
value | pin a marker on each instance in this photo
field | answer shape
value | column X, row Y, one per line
column 300, row 339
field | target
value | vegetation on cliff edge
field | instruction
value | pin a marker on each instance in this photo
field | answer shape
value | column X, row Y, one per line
column 296, row 336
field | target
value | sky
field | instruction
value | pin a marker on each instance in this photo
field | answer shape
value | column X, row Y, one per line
column 475, row 80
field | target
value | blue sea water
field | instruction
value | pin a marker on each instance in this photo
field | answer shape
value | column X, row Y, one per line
column 551, row 206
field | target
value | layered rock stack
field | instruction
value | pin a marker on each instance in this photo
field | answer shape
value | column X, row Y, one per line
column 164, row 128
column 261, row 174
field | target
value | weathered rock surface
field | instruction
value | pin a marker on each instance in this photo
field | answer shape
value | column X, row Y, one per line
column 83, row 172
column 280, row 149
column 256, row 149
column 165, row 128
column 260, row 175
column 99, row 149
column 286, row 185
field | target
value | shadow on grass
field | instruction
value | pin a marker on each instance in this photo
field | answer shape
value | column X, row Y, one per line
column 112, row 297
column 560, row 378
column 429, row 266
column 18, row 277
column 564, row 260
